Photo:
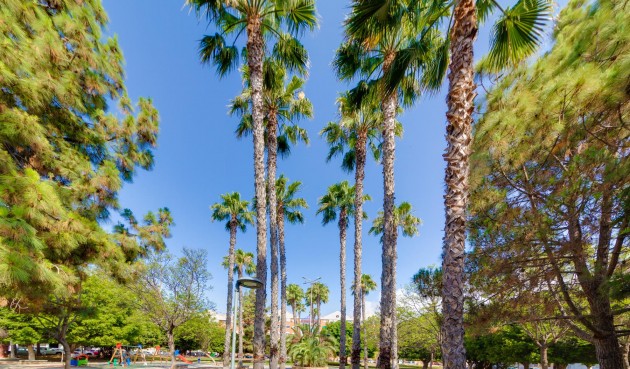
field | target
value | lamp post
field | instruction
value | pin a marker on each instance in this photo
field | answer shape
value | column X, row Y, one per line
column 310, row 317
column 253, row 283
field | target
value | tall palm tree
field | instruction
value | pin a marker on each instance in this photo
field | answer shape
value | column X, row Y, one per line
column 289, row 208
column 237, row 214
column 319, row 292
column 284, row 105
column 356, row 130
column 367, row 285
column 515, row 36
column 408, row 224
column 339, row 199
column 260, row 20
column 243, row 263
column 295, row 299
column 374, row 51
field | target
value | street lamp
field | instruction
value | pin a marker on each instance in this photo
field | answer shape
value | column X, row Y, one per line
column 310, row 316
column 253, row 283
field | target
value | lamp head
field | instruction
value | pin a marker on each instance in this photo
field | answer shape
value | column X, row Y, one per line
column 249, row 282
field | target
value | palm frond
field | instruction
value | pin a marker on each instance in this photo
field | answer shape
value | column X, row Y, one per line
column 518, row 33
column 291, row 53
column 212, row 49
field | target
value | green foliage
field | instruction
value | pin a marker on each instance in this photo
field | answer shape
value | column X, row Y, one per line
column 403, row 219
column 171, row 292
column 22, row 329
column 550, row 172
column 281, row 20
column 503, row 346
column 339, row 199
column 201, row 332
column 313, row 349
column 333, row 329
column 234, row 211
column 65, row 150
column 572, row 350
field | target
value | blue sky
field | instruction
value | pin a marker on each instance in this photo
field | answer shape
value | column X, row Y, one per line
column 199, row 157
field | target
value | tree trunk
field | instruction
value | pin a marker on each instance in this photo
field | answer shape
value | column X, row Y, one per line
column 283, row 289
column 171, row 346
column 388, row 331
column 230, row 292
column 544, row 361
column 255, row 54
column 526, row 365
column 343, row 225
column 38, row 349
column 12, row 352
column 272, row 154
column 460, row 101
column 431, row 361
column 425, row 364
column 359, row 177
column 319, row 313
column 31, row 351
column 365, row 348
column 240, row 320
column 608, row 352
column 61, row 337
column 624, row 354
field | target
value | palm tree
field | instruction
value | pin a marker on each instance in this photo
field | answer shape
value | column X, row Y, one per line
column 357, row 129
column 237, row 214
column 380, row 50
column 515, row 36
column 339, row 199
column 295, row 298
column 367, row 285
column 289, row 208
column 243, row 263
column 319, row 293
column 284, row 105
column 408, row 224
column 260, row 20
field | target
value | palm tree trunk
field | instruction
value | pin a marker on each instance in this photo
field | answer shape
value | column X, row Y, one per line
column 460, row 101
column 272, row 154
column 343, row 223
column 230, row 292
column 365, row 348
column 359, row 177
column 240, row 320
column 255, row 53
column 387, row 340
column 283, row 289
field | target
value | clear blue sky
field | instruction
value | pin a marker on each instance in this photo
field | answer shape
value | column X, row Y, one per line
column 199, row 158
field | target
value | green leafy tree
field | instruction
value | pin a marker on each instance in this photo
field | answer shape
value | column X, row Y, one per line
column 237, row 215
column 200, row 333
column 260, row 21
column 313, row 349
column 558, row 180
column 172, row 291
column 65, row 153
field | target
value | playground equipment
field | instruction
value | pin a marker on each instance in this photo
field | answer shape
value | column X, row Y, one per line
column 157, row 353
column 183, row 358
column 140, row 354
column 118, row 354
